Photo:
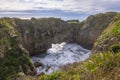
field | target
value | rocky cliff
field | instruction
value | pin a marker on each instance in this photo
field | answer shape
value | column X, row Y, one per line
column 21, row 37
column 13, row 56
column 37, row 35
column 89, row 30
column 110, row 38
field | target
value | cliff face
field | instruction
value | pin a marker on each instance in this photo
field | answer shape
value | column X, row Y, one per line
column 13, row 57
column 19, row 38
column 37, row 35
column 110, row 37
column 91, row 28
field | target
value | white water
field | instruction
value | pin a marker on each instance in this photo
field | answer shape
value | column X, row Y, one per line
column 60, row 54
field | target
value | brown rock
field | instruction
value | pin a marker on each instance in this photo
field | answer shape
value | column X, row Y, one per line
column 48, row 67
column 41, row 74
column 38, row 64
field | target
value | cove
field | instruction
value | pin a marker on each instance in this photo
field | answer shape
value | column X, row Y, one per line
column 60, row 55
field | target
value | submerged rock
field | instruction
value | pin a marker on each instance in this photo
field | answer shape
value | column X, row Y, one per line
column 38, row 64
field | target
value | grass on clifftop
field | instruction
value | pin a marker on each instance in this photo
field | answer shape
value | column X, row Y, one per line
column 101, row 66
column 109, row 33
column 110, row 38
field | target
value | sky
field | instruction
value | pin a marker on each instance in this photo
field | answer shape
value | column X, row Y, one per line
column 65, row 9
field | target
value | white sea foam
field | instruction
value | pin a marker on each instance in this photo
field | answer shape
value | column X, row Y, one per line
column 60, row 54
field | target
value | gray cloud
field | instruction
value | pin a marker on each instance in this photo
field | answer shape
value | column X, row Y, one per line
column 91, row 6
column 53, row 7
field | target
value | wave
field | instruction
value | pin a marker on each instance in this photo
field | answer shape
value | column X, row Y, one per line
column 58, row 55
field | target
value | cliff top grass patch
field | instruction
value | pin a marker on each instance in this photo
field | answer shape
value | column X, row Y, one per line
column 112, row 31
column 100, row 66
column 116, row 29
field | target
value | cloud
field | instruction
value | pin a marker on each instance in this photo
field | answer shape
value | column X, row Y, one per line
column 64, row 7
column 14, row 5
column 90, row 6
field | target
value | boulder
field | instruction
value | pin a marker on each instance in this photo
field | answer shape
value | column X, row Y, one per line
column 38, row 64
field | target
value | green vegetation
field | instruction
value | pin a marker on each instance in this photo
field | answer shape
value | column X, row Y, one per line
column 13, row 57
column 36, row 35
column 72, row 21
column 116, row 29
column 101, row 66
column 90, row 29
column 104, row 65
column 53, row 76
column 115, row 48
column 10, row 65
column 110, row 36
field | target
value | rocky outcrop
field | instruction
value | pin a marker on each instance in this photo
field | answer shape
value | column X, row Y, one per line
column 13, row 56
column 21, row 37
column 37, row 35
column 89, row 30
column 110, row 37
column 38, row 64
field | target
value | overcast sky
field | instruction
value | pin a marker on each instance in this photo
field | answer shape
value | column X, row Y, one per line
column 65, row 9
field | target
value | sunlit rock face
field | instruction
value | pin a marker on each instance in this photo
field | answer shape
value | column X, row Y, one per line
column 58, row 55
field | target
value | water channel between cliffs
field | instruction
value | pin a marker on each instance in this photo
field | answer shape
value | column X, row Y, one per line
column 59, row 55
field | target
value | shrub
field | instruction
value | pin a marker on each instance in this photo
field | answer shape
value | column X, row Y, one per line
column 100, row 66
column 115, row 48
column 53, row 76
